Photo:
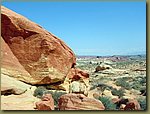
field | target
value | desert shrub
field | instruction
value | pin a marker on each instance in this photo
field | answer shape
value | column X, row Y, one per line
column 142, row 102
column 39, row 91
column 125, row 78
column 143, row 80
column 56, row 95
column 101, row 86
column 107, row 102
column 119, row 92
column 123, row 83
column 140, row 79
column 136, row 85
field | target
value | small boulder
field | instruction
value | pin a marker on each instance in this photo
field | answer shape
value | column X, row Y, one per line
column 78, row 87
column 102, row 67
column 46, row 103
column 79, row 102
column 77, row 74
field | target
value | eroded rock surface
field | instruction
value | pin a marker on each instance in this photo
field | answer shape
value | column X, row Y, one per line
column 44, row 56
column 25, row 101
column 10, row 65
column 79, row 102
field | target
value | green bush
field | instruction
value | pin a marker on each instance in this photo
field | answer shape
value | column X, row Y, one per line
column 142, row 102
column 119, row 92
column 101, row 86
column 56, row 95
column 109, row 105
column 143, row 80
column 140, row 79
column 123, row 83
column 138, row 83
column 39, row 91
column 136, row 86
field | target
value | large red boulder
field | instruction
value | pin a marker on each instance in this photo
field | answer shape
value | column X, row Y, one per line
column 44, row 56
column 79, row 102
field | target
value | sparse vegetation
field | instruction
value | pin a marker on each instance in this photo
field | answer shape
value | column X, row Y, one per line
column 101, row 86
column 107, row 102
column 142, row 102
column 138, row 83
column 56, row 95
column 123, row 83
column 99, row 81
column 39, row 91
column 123, row 74
column 119, row 92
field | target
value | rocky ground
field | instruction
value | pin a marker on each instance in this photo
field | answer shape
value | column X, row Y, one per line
column 116, row 77
column 40, row 72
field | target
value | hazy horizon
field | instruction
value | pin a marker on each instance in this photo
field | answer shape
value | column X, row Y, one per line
column 91, row 28
column 117, row 55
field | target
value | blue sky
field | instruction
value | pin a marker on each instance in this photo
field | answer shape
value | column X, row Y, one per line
column 91, row 28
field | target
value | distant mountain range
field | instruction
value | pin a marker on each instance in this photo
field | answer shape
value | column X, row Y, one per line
column 97, row 56
column 143, row 53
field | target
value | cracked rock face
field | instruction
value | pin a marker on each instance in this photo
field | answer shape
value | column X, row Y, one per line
column 44, row 56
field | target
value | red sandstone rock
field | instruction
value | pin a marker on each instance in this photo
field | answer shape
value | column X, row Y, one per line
column 76, row 73
column 79, row 102
column 79, row 81
column 47, row 58
column 47, row 103
column 10, row 65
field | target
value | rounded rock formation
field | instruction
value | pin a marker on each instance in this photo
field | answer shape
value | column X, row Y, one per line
column 44, row 56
